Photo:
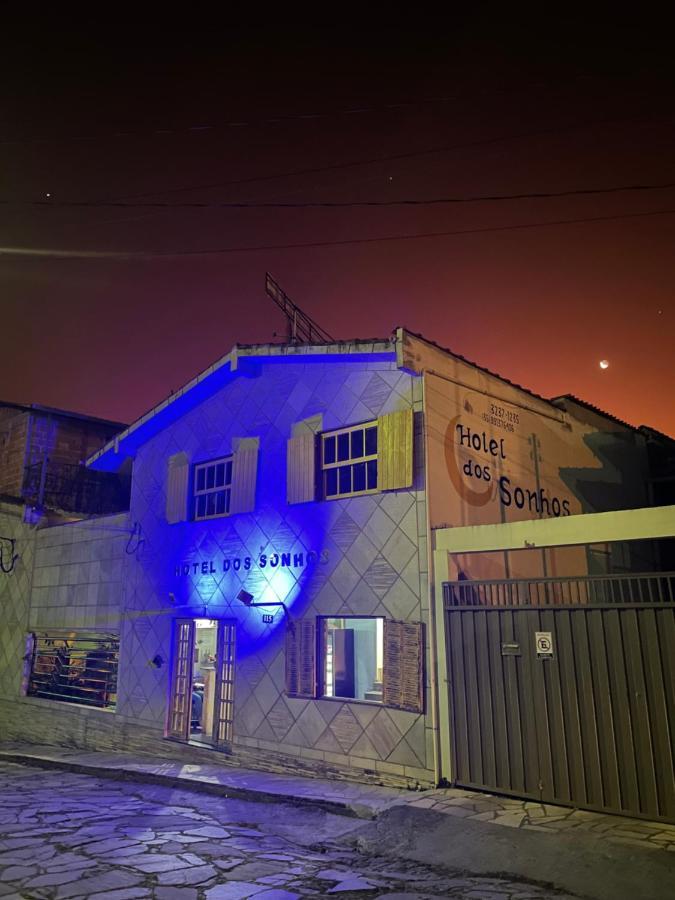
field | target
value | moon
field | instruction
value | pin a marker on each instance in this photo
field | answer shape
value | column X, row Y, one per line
column 604, row 364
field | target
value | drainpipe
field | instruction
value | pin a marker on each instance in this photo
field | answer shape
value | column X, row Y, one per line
column 433, row 622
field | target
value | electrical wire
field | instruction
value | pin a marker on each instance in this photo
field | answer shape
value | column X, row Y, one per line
column 221, row 251
column 279, row 119
column 335, row 204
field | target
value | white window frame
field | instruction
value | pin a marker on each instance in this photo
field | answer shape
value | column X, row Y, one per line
column 351, row 460
column 225, row 487
column 326, row 673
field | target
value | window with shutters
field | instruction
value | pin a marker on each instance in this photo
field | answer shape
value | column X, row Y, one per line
column 213, row 488
column 226, row 486
column 349, row 461
column 370, row 659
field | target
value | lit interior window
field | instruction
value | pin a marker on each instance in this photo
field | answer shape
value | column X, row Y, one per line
column 353, row 658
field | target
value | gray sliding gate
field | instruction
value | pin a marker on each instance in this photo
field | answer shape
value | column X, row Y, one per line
column 564, row 690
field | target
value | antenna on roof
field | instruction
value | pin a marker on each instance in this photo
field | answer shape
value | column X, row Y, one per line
column 301, row 328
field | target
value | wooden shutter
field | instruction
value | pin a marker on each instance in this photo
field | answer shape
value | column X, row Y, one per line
column 301, row 658
column 244, row 475
column 177, row 488
column 395, row 450
column 301, row 468
column 403, row 665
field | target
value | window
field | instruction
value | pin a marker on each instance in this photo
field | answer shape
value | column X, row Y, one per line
column 353, row 658
column 358, row 658
column 75, row 667
column 349, row 461
column 213, row 488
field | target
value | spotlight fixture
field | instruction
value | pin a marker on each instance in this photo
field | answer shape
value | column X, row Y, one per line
column 247, row 599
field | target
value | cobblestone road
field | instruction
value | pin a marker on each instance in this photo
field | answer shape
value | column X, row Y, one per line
column 65, row 836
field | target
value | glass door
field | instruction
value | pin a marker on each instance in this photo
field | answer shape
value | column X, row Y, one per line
column 181, row 679
column 224, row 706
column 202, row 685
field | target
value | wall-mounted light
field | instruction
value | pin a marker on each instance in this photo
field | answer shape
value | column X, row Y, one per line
column 247, row 599
column 157, row 662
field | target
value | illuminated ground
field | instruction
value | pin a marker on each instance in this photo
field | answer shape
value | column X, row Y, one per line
column 65, row 835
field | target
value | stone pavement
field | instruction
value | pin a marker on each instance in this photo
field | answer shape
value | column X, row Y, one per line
column 350, row 798
column 65, row 835
column 547, row 819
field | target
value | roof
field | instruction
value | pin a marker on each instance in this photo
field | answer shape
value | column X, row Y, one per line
column 593, row 408
column 480, row 368
column 240, row 360
column 63, row 413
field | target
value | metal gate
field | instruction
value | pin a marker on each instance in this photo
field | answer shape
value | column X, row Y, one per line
column 564, row 690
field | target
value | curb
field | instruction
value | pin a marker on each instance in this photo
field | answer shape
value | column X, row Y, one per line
column 197, row 785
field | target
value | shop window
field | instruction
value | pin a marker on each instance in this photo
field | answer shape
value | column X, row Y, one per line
column 347, row 462
column 213, row 488
column 75, row 667
column 358, row 658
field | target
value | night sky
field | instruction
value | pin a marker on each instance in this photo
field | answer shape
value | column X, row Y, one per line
column 175, row 114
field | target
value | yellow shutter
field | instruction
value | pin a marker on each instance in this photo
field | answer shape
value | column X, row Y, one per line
column 300, row 468
column 395, row 450
column 301, row 658
column 177, row 486
column 403, row 665
column 244, row 475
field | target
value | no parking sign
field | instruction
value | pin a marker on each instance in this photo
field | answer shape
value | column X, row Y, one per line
column 543, row 641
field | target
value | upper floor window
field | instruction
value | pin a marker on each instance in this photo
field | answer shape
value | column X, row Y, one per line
column 213, row 488
column 349, row 461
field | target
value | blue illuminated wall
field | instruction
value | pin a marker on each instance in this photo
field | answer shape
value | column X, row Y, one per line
column 367, row 556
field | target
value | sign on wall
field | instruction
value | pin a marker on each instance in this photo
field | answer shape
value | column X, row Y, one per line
column 496, row 461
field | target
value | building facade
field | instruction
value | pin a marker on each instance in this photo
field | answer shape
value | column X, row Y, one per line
column 269, row 593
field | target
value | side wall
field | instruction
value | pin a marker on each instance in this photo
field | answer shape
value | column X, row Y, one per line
column 76, row 575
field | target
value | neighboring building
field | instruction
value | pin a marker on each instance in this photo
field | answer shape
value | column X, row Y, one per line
column 269, row 591
column 42, row 456
column 43, row 480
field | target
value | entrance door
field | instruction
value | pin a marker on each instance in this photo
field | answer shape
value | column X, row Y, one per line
column 181, row 679
column 202, row 681
column 224, row 699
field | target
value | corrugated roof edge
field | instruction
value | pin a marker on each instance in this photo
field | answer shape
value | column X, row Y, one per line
column 479, row 367
column 376, row 345
column 596, row 409
column 66, row 413
column 641, row 429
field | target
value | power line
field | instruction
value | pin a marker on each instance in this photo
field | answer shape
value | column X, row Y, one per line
column 332, row 204
column 201, row 128
column 221, row 251
column 392, row 157
column 280, row 118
